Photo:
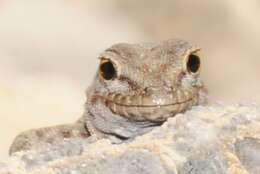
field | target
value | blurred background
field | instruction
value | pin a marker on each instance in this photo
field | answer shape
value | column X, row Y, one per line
column 49, row 49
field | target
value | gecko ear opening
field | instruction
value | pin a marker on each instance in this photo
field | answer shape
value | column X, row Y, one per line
column 193, row 63
column 107, row 69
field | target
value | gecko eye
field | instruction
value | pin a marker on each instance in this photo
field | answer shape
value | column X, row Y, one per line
column 107, row 69
column 193, row 63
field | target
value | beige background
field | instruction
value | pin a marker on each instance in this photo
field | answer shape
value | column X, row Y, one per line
column 48, row 51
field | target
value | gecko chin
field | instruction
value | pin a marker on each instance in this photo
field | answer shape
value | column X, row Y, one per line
column 152, row 108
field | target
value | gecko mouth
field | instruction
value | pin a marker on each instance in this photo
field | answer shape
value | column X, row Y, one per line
column 147, row 106
column 142, row 107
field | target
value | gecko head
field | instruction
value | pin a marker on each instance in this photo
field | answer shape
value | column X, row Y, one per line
column 148, row 82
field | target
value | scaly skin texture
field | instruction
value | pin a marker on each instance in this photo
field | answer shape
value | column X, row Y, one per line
column 137, row 87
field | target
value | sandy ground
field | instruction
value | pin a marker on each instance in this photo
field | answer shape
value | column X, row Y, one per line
column 48, row 51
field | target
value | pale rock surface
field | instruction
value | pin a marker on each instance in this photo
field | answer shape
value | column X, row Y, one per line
column 205, row 140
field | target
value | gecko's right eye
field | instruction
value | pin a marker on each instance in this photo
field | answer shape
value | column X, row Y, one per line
column 107, row 69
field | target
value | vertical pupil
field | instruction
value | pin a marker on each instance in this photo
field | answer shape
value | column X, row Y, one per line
column 193, row 63
column 107, row 70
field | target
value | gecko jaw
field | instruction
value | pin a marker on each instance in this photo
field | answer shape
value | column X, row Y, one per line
column 141, row 108
column 147, row 106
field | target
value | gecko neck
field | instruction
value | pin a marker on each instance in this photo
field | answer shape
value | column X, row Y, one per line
column 102, row 123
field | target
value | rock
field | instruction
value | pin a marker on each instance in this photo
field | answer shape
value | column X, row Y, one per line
column 205, row 140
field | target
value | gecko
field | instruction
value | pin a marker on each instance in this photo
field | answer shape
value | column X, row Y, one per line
column 137, row 87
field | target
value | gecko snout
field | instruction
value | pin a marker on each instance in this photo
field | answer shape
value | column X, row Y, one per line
column 158, row 96
column 153, row 103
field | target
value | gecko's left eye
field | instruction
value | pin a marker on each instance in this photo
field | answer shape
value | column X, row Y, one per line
column 193, row 63
column 107, row 69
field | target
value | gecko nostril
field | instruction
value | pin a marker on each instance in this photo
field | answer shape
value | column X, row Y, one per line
column 146, row 89
column 157, row 90
column 150, row 89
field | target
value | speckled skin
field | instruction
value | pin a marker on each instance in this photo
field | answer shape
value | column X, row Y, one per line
column 151, row 83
